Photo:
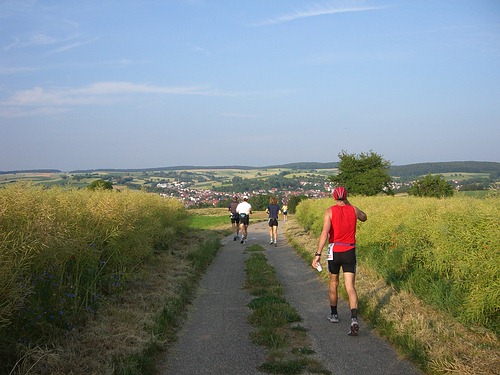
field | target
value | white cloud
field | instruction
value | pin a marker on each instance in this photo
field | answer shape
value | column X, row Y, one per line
column 15, row 70
column 41, row 40
column 198, row 49
column 12, row 44
column 39, row 100
column 23, row 112
column 93, row 94
column 73, row 45
column 105, row 88
column 318, row 9
column 239, row 115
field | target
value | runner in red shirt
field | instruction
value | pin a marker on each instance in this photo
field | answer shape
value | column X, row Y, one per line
column 339, row 227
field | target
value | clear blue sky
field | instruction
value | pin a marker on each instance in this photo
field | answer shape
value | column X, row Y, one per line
column 153, row 83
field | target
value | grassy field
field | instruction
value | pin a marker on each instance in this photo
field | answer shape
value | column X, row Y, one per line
column 62, row 251
column 474, row 194
column 464, row 175
column 218, row 218
column 84, row 273
column 201, row 178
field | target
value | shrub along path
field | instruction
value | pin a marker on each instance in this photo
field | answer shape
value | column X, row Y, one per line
column 215, row 338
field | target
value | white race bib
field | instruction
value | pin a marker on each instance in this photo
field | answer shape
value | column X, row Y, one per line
column 329, row 254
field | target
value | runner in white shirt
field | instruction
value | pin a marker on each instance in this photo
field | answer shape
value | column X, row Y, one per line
column 244, row 209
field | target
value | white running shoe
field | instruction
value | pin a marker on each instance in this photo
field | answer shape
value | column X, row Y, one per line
column 333, row 318
column 354, row 327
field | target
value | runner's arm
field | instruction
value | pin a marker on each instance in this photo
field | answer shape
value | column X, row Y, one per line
column 327, row 222
column 360, row 214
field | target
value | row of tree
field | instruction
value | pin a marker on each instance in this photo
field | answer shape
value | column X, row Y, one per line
column 368, row 174
column 259, row 202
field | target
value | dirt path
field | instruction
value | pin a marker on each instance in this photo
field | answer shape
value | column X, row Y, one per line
column 215, row 338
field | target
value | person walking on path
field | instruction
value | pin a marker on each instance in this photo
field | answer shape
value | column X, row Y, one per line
column 339, row 227
column 244, row 210
column 235, row 218
column 273, row 210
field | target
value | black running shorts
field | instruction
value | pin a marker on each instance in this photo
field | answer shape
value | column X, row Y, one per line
column 244, row 219
column 273, row 222
column 345, row 259
column 235, row 218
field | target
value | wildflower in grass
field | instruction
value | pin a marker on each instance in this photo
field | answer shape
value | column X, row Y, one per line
column 90, row 309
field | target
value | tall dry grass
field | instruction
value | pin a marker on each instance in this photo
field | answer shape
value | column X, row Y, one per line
column 62, row 250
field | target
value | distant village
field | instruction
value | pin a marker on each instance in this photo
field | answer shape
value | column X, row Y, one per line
column 206, row 197
column 210, row 198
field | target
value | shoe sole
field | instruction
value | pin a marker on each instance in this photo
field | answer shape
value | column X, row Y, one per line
column 354, row 330
column 331, row 320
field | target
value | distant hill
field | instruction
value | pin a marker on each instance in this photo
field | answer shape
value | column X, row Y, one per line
column 174, row 168
column 421, row 169
column 32, row 171
column 403, row 171
column 300, row 165
column 306, row 165
column 409, row 170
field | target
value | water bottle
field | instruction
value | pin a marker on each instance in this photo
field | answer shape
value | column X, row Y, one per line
column 318, row 267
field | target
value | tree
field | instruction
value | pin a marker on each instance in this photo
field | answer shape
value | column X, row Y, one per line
column 100, row 185
column 365, row 174
column 293, row 202
column 432, row 186
column 259, row 202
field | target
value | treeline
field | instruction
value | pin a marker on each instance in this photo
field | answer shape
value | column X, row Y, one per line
column 32, row 171
column 260, row 202
column 306, row 165
column 403, row 171
column 412, row 171
column 277, row 182
column 175, row 168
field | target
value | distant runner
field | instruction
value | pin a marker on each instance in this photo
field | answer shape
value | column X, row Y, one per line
column 284, row 209
column 273, row 210
column 235, row 218
column 244, row 210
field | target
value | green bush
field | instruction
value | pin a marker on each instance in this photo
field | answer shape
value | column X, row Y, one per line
column 432, row 186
